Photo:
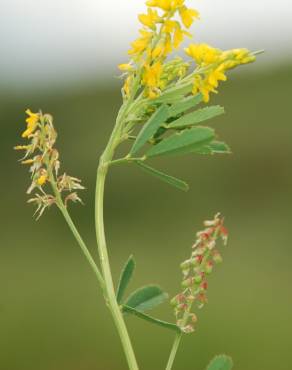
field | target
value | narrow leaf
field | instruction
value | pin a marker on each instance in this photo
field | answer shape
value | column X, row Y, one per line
column 221, row 362
column 215, row 147
column 184, row 142
column 197, row 116
column 150, row 127
column 185, row 104
column 164, row 177
column 146, row 298
column 125, row 277
column 151, row 319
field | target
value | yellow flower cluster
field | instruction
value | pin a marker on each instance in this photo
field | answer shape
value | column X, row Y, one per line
column 164, row 27
column 160, row 35
column 44, row 161
column 213, row 64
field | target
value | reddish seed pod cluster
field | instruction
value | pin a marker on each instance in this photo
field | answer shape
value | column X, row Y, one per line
column 195, row 271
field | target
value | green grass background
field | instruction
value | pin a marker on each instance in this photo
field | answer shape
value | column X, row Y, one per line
column 52, row 316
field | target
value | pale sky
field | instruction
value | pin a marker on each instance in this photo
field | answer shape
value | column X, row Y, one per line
column 50, row 41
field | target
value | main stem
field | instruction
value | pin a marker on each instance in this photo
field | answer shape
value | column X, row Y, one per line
column 102, row 248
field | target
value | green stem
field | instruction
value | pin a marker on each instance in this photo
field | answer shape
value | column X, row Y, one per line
column 101, row 241
column 176, row 342
column 109, row 286
column 173, row 352
column 82, row 245
column 74, row 230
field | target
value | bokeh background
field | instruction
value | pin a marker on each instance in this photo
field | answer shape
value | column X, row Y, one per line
column 60, row 56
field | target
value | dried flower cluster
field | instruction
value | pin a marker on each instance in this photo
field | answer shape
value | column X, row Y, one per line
column 43, row 159
column 163, row 30
column 195, row 271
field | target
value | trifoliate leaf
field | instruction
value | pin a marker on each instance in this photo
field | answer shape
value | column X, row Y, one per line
column 150, row 128
column 146, row 298
column 185, row 104
column 125, row 277
column 183, row 142
column 197, row 116
column 221, row 362
column 151, row 319
column 164, row 177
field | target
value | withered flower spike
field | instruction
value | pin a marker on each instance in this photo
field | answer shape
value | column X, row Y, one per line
column 45, row 164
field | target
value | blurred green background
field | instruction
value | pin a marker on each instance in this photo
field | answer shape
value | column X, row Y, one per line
column 52, row 316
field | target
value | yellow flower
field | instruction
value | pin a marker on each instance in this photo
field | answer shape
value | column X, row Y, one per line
column 243, row 56
column 127, row 86
column 166, row 5
column 157, row 51
column 42, row 179
column 150, row 19
column 32, row 121
column 21, row 147
column 32, row 117
column 141, row 44
column 203, row 53
column 216, row 75
column 174, row 28
column 126, row 67
column 188, row 16
column 152, row 94
column 203, row 87
column 178, row 37
column 28, row 161
column 152, row 74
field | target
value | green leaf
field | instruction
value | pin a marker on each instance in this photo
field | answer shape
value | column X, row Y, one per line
column 125, row 277
column 151, row 319
column 164, row 177
column 175, row 94
column 183, row 142
column 150, row 128
column 215, row 147
column 221, row 362
column 146, row 298
column 197, row 116
column 185, row 104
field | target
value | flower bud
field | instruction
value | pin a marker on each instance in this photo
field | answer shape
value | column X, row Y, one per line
column 209, row 267
column 217, row 257
column 185, row 265
column 193, row 318
column 188, row 329
column 188, row 282
column 198, row 279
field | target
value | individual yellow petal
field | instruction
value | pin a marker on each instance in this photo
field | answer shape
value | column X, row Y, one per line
column 127, row 86
column 150, row 19
column 125, row 67
column 178, row 37
column 32, row 118
column 188, row 16
column 141, row 44
column 28, row 161
column 152, row 74
column 162, row 4
column 152, row 94
column 157, row 51
column 21, row 147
